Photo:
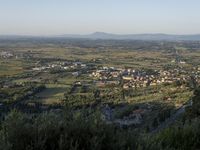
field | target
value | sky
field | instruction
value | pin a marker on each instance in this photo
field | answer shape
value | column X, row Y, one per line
column 58, row 17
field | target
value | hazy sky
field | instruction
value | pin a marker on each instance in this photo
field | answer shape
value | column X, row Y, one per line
column 51, row 17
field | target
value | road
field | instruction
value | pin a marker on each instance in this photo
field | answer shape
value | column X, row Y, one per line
column 172, row 119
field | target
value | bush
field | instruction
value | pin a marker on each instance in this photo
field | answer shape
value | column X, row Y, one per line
column 51, row 131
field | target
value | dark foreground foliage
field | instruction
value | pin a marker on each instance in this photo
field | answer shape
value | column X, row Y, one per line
column 80, row 131
column 53, row 132
column 61, row 132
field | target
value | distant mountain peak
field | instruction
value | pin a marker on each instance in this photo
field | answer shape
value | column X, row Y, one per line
column 99, row 33
column 150, row 37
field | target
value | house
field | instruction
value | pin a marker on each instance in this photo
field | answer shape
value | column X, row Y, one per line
column 127, row 78
column 126, row 86
column 65, row 67
column 182, row 62
column 75, row 74
column 100, row 83
column 78, row 83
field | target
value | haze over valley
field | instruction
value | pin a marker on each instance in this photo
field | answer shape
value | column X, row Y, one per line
column 66, row 86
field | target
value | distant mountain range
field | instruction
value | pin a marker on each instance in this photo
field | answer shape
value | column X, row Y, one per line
column 106, row 36
column 103, row 35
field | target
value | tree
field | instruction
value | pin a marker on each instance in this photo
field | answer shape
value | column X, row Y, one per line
column 155, row 123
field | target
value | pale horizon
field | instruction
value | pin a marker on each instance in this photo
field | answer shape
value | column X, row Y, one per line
column 58, row 17
column 90, row 33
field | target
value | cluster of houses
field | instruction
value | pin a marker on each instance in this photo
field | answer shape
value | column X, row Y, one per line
column 178, row 61
column 161, row 77
column 135, row 117
column 130, row 78
column 6, row 54
column 60, row 65
column 9, row 54
column 7, row 85
column 127, row 78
